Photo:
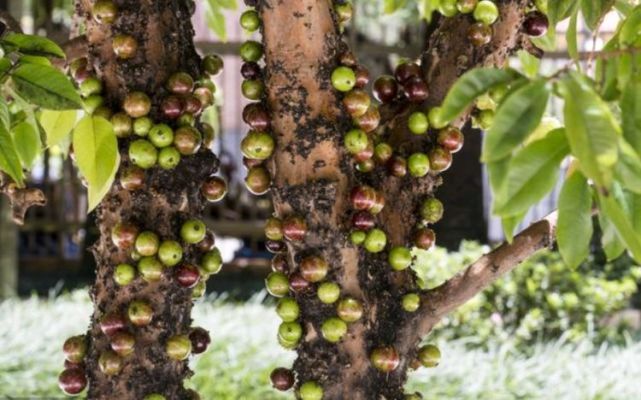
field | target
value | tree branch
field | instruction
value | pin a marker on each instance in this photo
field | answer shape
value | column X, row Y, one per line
column 459, row 289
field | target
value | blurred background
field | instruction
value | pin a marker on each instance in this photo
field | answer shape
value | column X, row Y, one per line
column 544, row 332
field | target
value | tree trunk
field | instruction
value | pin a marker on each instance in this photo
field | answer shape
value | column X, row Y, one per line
column 164, row 34
column 8, row 251
column 313, row 175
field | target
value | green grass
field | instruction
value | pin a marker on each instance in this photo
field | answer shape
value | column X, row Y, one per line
column 244, row 350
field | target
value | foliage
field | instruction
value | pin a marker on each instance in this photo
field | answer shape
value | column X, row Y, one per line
column 216, row 18
column 30, row 361
column 540, row 300
column 600, row 132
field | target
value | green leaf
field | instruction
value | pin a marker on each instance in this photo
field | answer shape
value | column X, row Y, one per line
column 624, row 7
column 571, row 38
column 531, row 174
column 57, row 125
column 97, row 156
column 33, row 45
column 558, row 10
column 46, row 87
column 574, row 229
column 391, row 6
column 630, row 29
column 426, row 9
column 27, row 141
column 497, row 171
column 517, row 116
column 546, row 42
column 510, row 224
column 5, row 115
column 594, row 10
column 34, row 60
column 216, row 22
column 628, row 169
column 5, row 66
column 529, row 63
column 631, row 114
column 612, row 244
column 226, row 4
column 615, row 212
column 471, row 85
column 9, row 158
column 591, row 129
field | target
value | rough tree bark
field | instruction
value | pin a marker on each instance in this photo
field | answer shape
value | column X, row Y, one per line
column 164, row 34
column 313, row 175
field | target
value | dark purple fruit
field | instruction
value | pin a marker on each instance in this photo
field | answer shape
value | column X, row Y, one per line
column 180, row 83
column 298, row 284
column 405, row 71
column 282, row 379
column 385, row 89
column 72, row 381
column 451, row 139
column 172, row 107
column 415, row 89
column 397, row 166
column 363, row 220
column 187, row 275
column 199, row 340
column 362, row 77
column 250, row 70
column 256, row 116
column 294, row 228
column 111, row 323
column 536, row 24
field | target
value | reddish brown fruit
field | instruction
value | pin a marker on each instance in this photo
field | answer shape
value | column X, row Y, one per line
column 172, row 107
column 132, row 178
column 370, row 120
column 200, row 340
column 362, row 77
column 72, row 381
column 385, row 359
column 214, row 189
column 397, row 166
column 123, row 343
column 187, row 140
column 440, row 159
column 75, row 348
column 279, row 264
column 111, row 323
column 314, row 268
column 451, row 139
column 385, row 89
column 298, row 284
column 208, row 243
column 180, row 83
column 256, row 117
column 406, row 71
column 363, row 220
column 187, row 275
column 480, row 34
column 415, row 89
column 363, row 197
column 347, row 59
column 192, row 105
column 424, row 238
column 282, row 379
column 356, row 102
column 125, row 46
column 294, row 228
column 275, row 246
column 258, row 180
column 124, row 235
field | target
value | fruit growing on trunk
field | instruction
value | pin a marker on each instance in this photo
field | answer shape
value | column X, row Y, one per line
column 193, row 231
column 251, row 51
column 143, row 153
column 343, row 79
column 212, row 261
column 123, row 235
column 411, row 302
column 400, row 258
column 168, row 158
column 214, row 189
column 333, row 329
column 450, row 139
column 385, row 359
column 180, row 83
column 282, row 379
column 124, row 274
column 187, row 140
column 212, row 64
column 111, row 323
column 288, row 309
column 294, row 228
column 150, row 269
column 328, row 292
column 170, row 253
column 375, row 241
column 250, row 21
column 290, row 332
column 140, row 313
column 424, row 238
column 161, row 135
column 125, row 46
column 310, row 391
column 385, row 89
column 486, row 12
column 75, row 348
column 132, row 178
column 109, row 363
column 536, row 24
column 178, row 347
column 429, row 356
column 147, row 243
column 277, row 284
column 105, row 11
column 418, row 165
column 314, row 268
column 440, row 159
column 432, row 210
column 349, row 309
column 418, row 123
column 200, row 340
column 187, row 275
column 123, row 343
column 72, row 381
column 356, row 102
column 466, row 6
column 258, row 145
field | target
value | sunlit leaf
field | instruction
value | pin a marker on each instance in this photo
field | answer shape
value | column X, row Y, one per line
column 46, row 87
column 27, row 141
column 574, row 228
column 33, row 45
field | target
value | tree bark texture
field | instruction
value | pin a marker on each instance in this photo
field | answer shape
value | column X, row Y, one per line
column 164, row 34
column 313, row 176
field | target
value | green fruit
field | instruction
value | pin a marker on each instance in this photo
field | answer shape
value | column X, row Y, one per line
column 486, row 119
column 140, row 313
column 150, row 269
column 333, row 329
column 92, row 103
column 143, row 153
column 411, row 302
column 435, row 119
column 142, row 126
column 252, row 89
column 349, row 309
column 328, row 292
column 432, row 210
column 290, row 331
column 418, row 123
column 122, row 124
column 418, row 164
column 375, row 241
column 212, row 261
column 169, row 158
column 486, row 12
column 161, row 135
column 429, row 356
column 250, row 21
column 193, row 231
column 178, row 347
column 343, row 79
column 466, row 6
column 288, row 309
column 310, row 391
column 199, row 290
column 109, row 363
column 286, row 344
column 448, row 8
column 277, row 284
column 357, row 237
column 212, row 64
column 90, row 86
column 400, row 258
column 170, row 253
column 105, row 11
column 257, row 145
column 147, row 243
column 356, row 141
column 124, row 274
column 251, row 51
column 154, row 396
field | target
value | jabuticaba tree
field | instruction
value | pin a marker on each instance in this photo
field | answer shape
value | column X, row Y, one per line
column 141, row 72
column 354, row 183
